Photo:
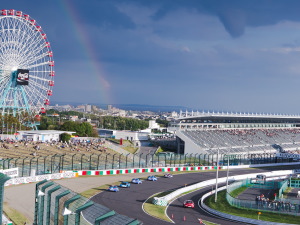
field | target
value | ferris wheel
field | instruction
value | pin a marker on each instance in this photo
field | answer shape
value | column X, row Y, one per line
column 26, row 65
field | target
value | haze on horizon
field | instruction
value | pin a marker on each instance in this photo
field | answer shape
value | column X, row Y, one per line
column 203, row 54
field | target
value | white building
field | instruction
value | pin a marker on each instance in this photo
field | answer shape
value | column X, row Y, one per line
column 153, row 124
column 42, row 135
column 88, row 108
column 132, row 135
column 125, row 134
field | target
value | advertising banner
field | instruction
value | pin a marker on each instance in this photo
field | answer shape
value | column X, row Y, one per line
column 288, row 155
column 14, row 172
column 26, row 180
column 22, row 77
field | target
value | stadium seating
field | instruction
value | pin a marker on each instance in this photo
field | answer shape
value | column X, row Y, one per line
column 245, row 140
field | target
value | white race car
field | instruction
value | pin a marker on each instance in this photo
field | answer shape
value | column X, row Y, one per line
column 168, row 175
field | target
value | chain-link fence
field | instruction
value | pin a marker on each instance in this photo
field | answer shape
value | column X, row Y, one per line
column 58, row 205
column 30, row 166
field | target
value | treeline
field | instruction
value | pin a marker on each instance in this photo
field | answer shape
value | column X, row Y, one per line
column 82, row 129
column 122, row 123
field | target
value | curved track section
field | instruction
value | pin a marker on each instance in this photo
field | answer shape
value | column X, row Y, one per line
column 128, row 201
column 192, row 216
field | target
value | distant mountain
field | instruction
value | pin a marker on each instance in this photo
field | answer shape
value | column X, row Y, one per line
column 152, row 108
column 132, row 107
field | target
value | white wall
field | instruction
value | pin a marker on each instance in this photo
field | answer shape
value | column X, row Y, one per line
column 131, row 136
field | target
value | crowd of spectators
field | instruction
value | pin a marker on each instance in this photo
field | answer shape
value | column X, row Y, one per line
column 265, row 203
column 12, row 148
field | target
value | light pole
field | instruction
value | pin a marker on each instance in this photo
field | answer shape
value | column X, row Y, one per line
column 217, row 175
column 227, row 171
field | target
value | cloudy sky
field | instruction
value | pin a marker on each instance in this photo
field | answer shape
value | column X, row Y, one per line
column 203, row 54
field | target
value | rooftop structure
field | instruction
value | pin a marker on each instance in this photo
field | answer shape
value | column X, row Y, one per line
column 219, row 120
column 210, row 132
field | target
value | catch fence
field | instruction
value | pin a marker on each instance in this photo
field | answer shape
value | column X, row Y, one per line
column 56, row 205
column 56, row 163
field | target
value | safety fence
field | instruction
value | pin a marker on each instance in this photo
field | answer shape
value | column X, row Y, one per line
column 276, row 205
column 3, row 179
column 294, row 182
column 30, row 166
column 56, row 204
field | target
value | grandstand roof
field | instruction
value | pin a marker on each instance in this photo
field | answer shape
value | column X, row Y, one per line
column 239, row 117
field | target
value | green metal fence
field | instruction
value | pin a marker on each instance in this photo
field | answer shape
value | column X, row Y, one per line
column 55, row 163
column 3, row 179
column 278, row 205
column 57, row 205
column 295, row 183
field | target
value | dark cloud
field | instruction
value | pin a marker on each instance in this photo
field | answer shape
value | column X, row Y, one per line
column 234, row 21
column 235, row 15
column 104, row 14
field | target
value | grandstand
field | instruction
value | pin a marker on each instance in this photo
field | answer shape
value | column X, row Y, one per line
column 232, row 133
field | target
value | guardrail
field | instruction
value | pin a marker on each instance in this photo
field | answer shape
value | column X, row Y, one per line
column 180, row 191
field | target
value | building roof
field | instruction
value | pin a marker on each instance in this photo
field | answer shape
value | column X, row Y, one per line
column 239, row 117
column 40, row 132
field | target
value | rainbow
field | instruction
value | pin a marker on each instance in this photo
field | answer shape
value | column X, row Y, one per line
column 87, row 48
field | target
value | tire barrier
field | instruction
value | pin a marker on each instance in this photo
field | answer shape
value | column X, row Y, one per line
column 159, row 201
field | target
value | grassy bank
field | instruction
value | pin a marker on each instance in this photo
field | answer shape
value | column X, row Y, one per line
column 156, row 210
column 16, row 217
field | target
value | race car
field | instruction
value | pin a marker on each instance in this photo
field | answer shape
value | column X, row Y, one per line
column 168, row 175
column 136, row 181
column 125, row 184
column 188, row 204
column 152, row 178
column 113, row 188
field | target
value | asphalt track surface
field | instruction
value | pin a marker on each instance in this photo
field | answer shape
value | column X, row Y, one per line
column 128, row 201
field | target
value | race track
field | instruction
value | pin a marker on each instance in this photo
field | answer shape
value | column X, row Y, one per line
column 128, row 201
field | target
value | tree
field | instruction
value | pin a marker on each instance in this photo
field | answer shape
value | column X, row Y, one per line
column 65, row 137
column 82, row 129
column 162, row 123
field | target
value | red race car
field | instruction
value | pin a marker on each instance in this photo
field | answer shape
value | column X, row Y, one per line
column 188, row 204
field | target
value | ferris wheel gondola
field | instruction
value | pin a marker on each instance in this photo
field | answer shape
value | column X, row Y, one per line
column 26, row 65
